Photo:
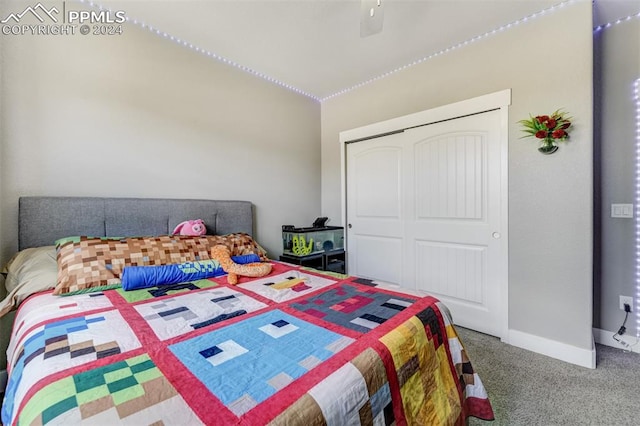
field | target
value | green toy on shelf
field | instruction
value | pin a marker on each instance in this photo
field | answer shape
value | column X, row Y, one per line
column 300, row 247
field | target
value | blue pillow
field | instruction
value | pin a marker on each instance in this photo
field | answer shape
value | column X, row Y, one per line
column 137, row 277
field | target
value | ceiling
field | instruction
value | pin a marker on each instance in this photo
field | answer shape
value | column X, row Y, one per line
column 315, row 46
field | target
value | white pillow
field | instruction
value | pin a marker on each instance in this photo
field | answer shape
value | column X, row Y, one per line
column 30, row 271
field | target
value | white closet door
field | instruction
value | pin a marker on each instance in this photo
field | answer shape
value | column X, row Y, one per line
column 425, row 213
column 375, row 205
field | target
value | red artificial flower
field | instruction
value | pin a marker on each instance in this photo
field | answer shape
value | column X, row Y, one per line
column 549, row 128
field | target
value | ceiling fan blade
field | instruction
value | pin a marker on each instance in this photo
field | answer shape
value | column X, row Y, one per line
column 371, row 17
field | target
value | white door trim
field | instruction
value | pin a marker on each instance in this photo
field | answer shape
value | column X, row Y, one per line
column 446, row 112
column 497, row 100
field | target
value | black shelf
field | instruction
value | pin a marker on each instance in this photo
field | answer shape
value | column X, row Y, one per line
column 333, row 261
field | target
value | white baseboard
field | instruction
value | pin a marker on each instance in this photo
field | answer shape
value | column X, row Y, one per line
column 554, row 349
column 605, row 337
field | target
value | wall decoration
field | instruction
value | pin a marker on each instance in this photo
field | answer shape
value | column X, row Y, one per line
column 549, row 129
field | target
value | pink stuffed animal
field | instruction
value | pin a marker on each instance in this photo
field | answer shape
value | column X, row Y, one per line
column 191, row 227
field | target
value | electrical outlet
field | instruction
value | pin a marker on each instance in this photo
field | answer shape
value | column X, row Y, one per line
column 626, row 299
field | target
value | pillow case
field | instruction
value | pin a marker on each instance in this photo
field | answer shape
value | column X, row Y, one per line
column 62, row 241
column 30, row 271
column 92, row 264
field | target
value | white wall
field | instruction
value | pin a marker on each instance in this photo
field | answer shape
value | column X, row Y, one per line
column 547, row 62
column 138, row 116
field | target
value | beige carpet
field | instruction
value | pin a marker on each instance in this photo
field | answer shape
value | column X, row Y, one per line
column 526, row 388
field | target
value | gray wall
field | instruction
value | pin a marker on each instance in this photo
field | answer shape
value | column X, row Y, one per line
column 617, row 66
column 550, row 197
column 136, row 115
column 139, row 116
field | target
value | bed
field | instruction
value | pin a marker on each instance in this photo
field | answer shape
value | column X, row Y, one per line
column 295, row 347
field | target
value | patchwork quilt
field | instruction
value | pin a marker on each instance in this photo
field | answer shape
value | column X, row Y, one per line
column 297, row 347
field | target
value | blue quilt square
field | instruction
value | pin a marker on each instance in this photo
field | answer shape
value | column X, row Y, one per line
column 247, row 362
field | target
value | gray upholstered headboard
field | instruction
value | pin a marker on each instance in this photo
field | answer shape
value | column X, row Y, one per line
column 42, row 220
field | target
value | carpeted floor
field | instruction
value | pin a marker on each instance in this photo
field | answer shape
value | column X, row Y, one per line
column 526, row 388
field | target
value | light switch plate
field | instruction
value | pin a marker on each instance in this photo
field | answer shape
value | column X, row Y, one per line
column 622, row 210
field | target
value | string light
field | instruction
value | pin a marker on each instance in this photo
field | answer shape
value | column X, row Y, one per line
column 636, row 94
column 207, row 53
column 616, row 22
column 451, row 48
column 270, row 79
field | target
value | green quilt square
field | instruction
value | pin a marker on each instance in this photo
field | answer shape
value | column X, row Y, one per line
column 127, row 394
